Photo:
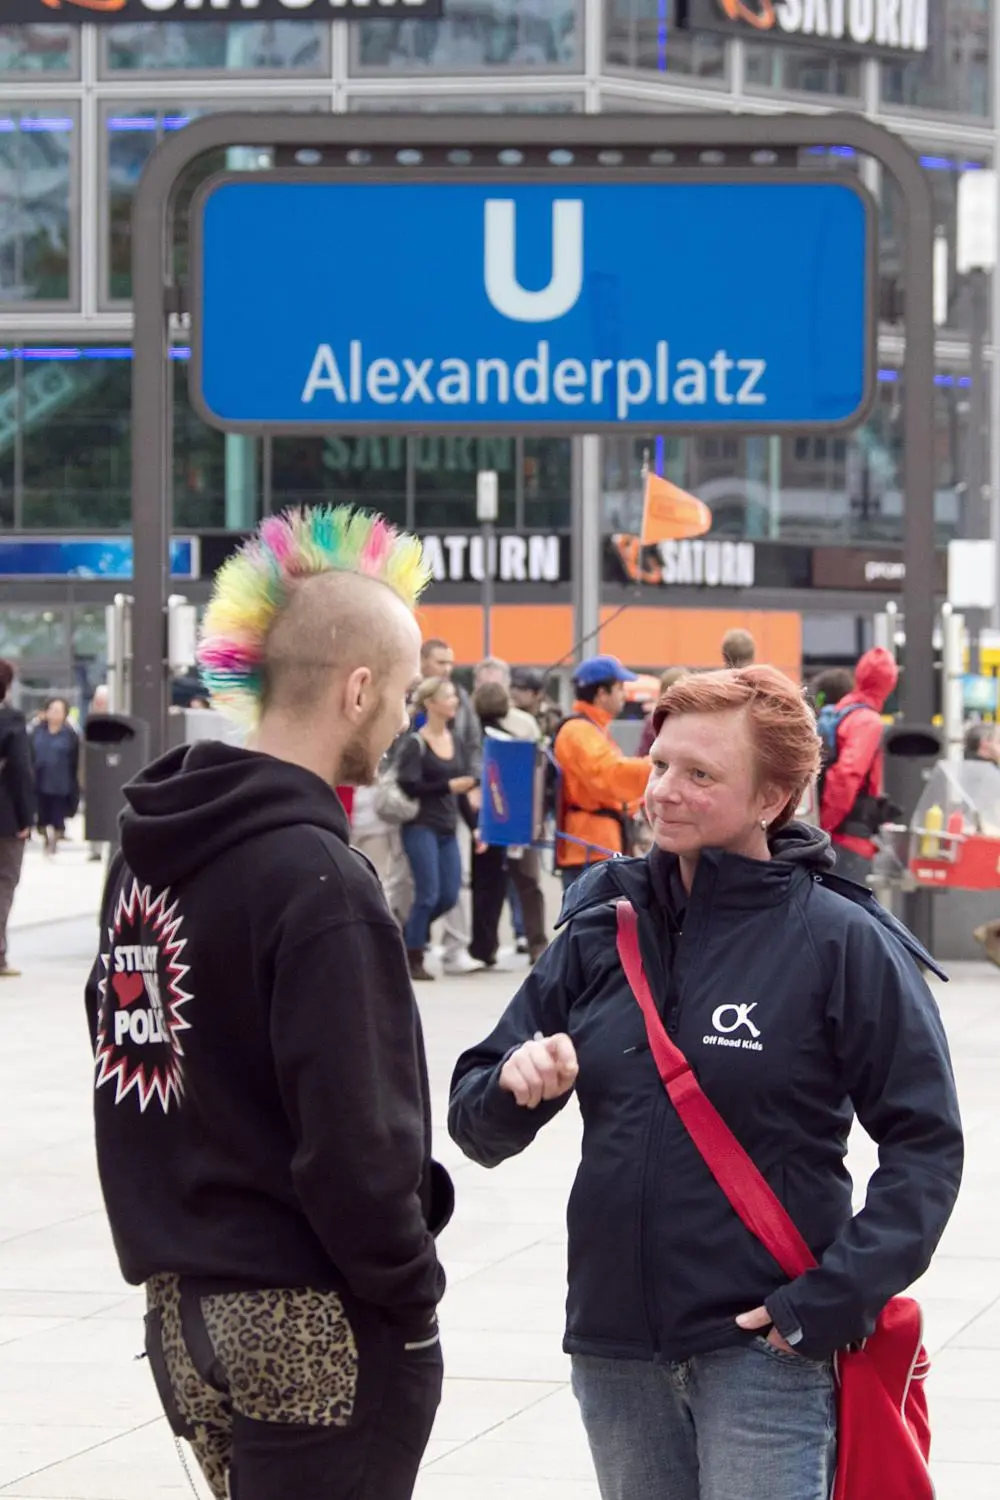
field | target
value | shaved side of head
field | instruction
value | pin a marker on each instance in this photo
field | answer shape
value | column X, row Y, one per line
column 333, row 624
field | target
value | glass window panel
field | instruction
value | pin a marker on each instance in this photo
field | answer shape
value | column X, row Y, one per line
column 802, row 487
column 202, row 457
column 445, row 470
column 541, row 36
column 36, row 190
column 367, row 470
column 953, row 76
column 9, row 407
column 32, row 635
column 495, row 104
column 132, row 132
column 943, row 170
column 797, row 70
column 545, row 465
column 641, row 34
column 218, row 46
column 33, row 50
column 75, row 426
column 89, row 633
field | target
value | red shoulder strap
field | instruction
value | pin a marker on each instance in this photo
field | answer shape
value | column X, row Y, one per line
column 747, row 1191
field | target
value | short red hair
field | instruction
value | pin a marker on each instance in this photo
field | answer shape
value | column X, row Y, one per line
column 782, row 728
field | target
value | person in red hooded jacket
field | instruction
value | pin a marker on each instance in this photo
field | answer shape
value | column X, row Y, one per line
column 856, row 772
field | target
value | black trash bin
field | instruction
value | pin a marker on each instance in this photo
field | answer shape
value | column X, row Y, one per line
column 115, row 749
column 911, row 753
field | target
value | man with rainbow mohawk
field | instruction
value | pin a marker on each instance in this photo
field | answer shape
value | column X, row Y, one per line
column 261, row 1100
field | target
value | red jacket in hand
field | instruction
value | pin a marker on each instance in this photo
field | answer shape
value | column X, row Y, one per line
column 858, row 767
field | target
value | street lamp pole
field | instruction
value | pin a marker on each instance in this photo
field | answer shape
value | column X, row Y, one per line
column 487, row 512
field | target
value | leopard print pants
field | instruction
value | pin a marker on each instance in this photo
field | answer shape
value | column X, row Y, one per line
column 280, row 1355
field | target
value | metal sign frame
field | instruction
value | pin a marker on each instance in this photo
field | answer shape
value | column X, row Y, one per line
column 368, row 143
column 568, row 177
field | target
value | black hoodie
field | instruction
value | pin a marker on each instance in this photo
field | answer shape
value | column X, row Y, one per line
column 796, row 1000
column 261, row 1093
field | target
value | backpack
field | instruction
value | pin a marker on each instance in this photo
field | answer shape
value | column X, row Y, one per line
column 391, row 803
column 552, row 794
column 828, row 722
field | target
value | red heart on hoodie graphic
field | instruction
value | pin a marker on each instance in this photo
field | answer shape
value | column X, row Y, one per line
column 128, row 988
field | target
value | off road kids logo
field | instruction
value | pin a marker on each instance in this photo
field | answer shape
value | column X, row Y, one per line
column 731, row 1022
column 138, row 1042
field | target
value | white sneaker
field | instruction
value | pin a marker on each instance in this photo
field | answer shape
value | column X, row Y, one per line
column 462, row 963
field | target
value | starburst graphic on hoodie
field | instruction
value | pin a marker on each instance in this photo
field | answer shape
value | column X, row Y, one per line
column 142, row 998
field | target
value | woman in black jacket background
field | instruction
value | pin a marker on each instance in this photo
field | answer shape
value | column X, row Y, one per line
column 17, row 806
column 431, row 768
column 55, row 746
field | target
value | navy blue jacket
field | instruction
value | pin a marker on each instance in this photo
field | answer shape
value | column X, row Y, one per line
column 57, row 761
column 796, row 1000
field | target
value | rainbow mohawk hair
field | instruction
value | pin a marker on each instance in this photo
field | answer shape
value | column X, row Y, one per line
column 252, row 588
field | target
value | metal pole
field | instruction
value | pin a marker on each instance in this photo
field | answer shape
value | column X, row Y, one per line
column 587, row 544
column 487, row 596
column 152, row 451
column 977, row 505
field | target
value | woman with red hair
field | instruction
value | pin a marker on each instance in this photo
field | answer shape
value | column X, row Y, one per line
column 702, row 1371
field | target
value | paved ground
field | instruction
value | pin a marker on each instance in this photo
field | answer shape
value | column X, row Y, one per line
column 78, row 1417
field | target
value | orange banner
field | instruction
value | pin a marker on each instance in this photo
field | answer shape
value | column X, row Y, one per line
column 670, row 514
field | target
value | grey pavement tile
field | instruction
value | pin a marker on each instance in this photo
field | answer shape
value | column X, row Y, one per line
column 966, row 1481
column 470, row 1408
column 122, row 1469
column 27, row 1448
column 966, row 1373
column 15, row 1327
column 500, row 1457
column 435, row 1486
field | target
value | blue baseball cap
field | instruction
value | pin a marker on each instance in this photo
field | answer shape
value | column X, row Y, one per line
column 602, row 669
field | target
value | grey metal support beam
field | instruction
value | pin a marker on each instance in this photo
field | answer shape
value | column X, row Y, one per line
column 587, row 544
column 332, row 135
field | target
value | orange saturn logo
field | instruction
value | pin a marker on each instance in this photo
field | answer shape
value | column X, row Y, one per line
column 105, row 5
column 760, row 16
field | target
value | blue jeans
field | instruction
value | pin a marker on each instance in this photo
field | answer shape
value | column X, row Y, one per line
column 516, row 914
column 743, row 1423
column 436, row 862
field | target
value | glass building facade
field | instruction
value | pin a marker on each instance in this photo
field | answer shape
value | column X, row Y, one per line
column 82, row 108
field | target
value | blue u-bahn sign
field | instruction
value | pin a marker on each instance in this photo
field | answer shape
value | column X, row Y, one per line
column 440, row 304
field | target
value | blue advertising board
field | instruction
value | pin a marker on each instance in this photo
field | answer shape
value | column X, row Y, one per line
column 108, row 557
column 579, row 307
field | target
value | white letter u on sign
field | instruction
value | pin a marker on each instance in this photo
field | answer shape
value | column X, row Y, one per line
column 504, row 290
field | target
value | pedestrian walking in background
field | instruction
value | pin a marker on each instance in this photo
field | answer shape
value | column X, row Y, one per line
column 262, row 1104
column 494, row 867
column 830, row 686
column 667, row 680
column 55, row 748
column 437, row 659
column 432, row 767
column 739, row 648
column 852, row 785
column 17, row 806
column 705, row 1372
column 601, row 788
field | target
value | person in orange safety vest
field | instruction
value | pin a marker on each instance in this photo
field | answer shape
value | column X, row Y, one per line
column 602, row 788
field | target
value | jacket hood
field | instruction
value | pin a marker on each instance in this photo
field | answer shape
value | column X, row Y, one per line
column 797, row 849
column 746, row 881
column 875, row 677
column 198, row 801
